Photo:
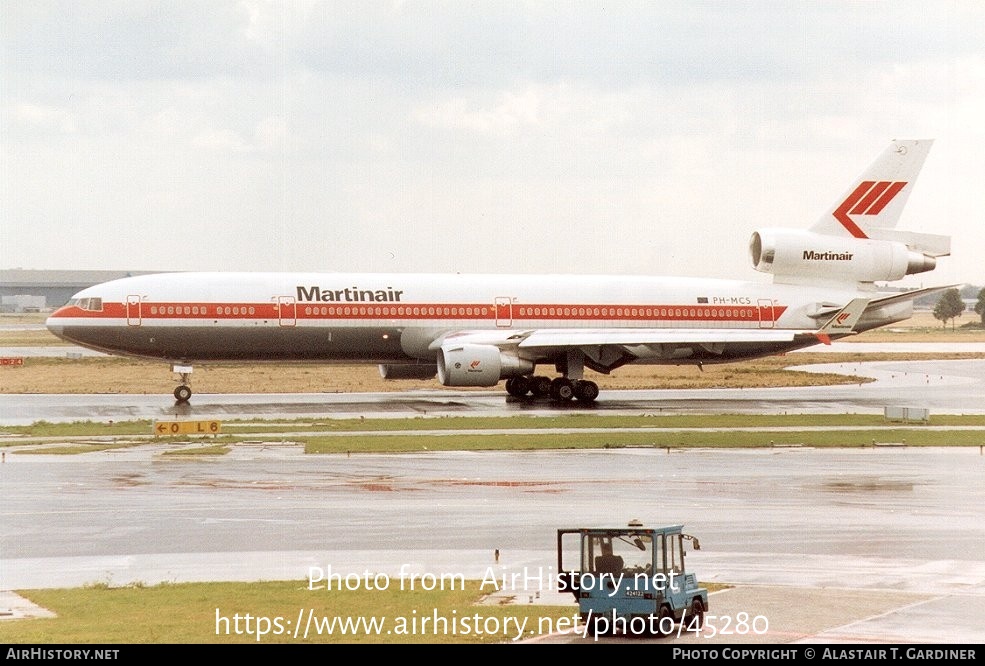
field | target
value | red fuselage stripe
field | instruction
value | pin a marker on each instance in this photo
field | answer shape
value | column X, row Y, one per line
column 444, row 311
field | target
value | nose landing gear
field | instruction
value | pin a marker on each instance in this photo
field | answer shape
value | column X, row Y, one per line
column 183, row 393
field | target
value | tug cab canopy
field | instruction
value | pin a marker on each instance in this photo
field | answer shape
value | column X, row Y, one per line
column 631, row 572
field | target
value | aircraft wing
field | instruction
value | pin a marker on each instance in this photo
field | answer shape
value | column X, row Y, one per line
column 650, row 336
column 841, row 322
column 604, row 349
column 546, row 338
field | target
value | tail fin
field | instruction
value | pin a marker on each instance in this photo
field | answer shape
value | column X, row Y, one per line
column 872, row 206
column 876, row 198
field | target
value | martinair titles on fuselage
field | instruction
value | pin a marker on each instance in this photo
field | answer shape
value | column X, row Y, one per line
column 317, row 294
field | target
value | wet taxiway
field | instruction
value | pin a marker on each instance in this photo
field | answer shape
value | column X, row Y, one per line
column 943, row 387
column 893, row 527
column 831, row 546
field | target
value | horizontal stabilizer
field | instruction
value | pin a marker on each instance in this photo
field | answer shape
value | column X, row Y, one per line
column 910, row 295
column 933, row 245
column 887, row 299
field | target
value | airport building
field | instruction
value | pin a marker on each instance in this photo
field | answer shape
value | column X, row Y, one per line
column 39, row 291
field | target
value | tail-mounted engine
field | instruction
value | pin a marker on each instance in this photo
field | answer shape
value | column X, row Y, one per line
column 478, row 365
column 791, row 253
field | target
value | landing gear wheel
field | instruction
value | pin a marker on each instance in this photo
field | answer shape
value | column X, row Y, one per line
column 184, row 392
column 562, row 390
column 518, row 387
column 586, row 391
column 540, row 387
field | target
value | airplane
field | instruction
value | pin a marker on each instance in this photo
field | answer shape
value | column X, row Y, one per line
column 478, row 330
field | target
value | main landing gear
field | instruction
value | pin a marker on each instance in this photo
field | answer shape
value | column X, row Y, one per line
column 561, row 389
column 570, row 386
column 183, row 393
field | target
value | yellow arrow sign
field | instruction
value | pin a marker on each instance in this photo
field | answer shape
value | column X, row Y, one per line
column 187, row 427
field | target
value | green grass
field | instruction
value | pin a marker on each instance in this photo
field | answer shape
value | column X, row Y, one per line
column 80, row 428
column 145, row 427
column 187, row 613
column 617, row 440
column 467, row 433
column 192, row 613
column 592, row 421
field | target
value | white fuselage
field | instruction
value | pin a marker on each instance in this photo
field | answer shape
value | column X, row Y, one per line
column 396, row 318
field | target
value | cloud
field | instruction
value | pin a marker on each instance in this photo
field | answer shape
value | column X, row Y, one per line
column 509, row 111
column 588, row 136
column 45, row 118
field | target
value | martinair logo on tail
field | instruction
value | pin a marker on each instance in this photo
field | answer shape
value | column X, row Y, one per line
column 842, row 317
column 869, row 198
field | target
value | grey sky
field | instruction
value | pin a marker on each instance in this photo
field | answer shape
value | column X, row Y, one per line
column 587, row 137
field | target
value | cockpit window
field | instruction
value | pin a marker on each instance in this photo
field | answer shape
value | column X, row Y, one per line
column 89, row 304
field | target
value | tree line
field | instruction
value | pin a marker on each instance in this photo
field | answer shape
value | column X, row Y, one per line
column 951, row 306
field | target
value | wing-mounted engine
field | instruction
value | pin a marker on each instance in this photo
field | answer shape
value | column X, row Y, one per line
column 478, row 365
column 793, row 256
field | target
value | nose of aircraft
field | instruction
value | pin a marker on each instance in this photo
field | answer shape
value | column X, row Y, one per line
column 55, row 323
